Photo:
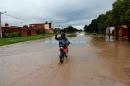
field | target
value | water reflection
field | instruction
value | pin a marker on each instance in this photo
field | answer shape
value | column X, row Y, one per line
column 72, row 35
column 109, row 38
column 115, row 55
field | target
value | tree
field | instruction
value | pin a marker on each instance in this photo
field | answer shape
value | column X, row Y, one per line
column 86, row 28
column 94, row 25
column 120, row 10
column 70, row 29
column 117, row 11
column 125, row 14
column 101, row 23
column 109, row 19
column 120, row 14
column 125, row 19
column 92, row 28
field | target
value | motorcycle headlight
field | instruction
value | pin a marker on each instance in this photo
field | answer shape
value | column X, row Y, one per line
column 61, row 47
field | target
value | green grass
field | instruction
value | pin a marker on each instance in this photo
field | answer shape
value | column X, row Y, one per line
column 7, row 41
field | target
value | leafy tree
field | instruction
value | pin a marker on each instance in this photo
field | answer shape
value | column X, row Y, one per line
column 109, row 19
column 70, row 29
column 120, row 14
column 101, row 23
column 86, row 28
column 116, row 11
column 125, row 18
column 120, row 11
column 94, row 25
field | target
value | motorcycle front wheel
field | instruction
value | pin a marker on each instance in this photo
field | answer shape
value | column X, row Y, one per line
column 61, row 56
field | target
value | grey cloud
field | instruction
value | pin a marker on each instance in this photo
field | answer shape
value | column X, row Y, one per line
column 75, row 12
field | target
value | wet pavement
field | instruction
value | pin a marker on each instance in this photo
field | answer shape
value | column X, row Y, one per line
column 93, row 61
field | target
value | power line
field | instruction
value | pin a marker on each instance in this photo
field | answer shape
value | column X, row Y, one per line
column 14, row 17
column 40, row 19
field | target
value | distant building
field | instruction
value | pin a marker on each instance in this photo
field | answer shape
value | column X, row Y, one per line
column 48, row 27
column 110, row 30
column 32, row 29
column 28, row 31
column 121, row 32
column 42, row 27
column 6, row 30
column 20, row 31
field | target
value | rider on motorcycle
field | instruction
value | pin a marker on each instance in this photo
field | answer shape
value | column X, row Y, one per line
column 63, row 43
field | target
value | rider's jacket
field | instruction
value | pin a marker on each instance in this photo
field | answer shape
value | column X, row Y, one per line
column 62, row 42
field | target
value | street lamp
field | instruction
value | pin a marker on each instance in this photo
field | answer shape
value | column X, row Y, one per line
column 1, row 35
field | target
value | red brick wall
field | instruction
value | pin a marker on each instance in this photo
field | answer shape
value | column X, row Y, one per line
column 33, row 32
column 11, row 30
column 24, row 32
column 39, row 28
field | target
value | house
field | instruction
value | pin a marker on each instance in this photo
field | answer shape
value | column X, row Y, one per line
column 48, row 27
column 20, row 31
column 28, row 31
column 39, row 28
column 110, row 30
column 42, row 27
column 6, row 30
column 32, row 29
column 121, row 32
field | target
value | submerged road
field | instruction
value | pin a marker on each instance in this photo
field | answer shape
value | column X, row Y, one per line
column 93, row 61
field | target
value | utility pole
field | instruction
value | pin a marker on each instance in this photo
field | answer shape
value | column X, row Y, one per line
column 1, row 34
column 0, row 25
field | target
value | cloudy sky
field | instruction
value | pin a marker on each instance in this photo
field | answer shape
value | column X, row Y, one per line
column 60, row 12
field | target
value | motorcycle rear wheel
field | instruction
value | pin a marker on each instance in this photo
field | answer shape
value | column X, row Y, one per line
column 61, row 56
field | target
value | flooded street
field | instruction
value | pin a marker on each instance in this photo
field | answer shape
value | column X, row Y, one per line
column 93, row 61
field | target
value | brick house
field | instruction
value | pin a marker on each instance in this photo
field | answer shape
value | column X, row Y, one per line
column 121, row 32
column 21, row 31
column 42, row 27
column 48, row 27
column 6, row 30
column 28, row 31
column 32, row 29
column 39, row 28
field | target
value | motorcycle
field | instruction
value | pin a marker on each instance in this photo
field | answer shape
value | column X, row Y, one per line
column 63, row 53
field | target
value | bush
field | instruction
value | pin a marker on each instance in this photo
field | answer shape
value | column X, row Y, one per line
column 9, row 35
column 14, row 34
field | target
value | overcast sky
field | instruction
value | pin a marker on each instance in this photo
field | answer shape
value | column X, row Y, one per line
column 61, row 12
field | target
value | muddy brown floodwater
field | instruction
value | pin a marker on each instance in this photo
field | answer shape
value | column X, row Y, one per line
column 93, row 61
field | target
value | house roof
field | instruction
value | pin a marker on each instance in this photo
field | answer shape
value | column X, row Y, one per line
column 37, row 24
column 124, row 26
column 11, row 27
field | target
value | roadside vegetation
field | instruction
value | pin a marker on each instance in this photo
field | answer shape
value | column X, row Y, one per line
column 12, row 40
column 68, row 29
column 119, row 15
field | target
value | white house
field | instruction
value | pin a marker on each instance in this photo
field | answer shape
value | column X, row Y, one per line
column 109, row 30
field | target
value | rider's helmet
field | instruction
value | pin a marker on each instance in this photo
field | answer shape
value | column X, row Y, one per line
column 63, row 36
